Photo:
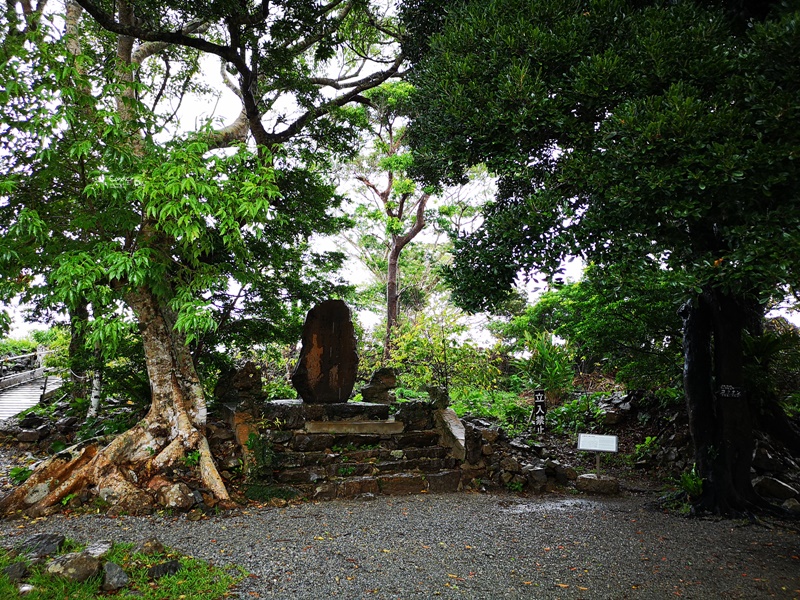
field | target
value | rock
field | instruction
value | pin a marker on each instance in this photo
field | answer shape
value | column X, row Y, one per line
column 511, row 465
column 220, row 434
column 243, row 387
column 171, row 567
column 764, row 461
column 15, row 572
column 149, row 547
column 451, row 432
column 769, row 486
column 401, row 484
column 28, row 436
column 25, row 589
column 473, row 440
column 416, row 415
column 792, row 505
column 326, row 371
column 176, row 496
column 114, row 577
column 490, row 435
column 535, row 474
column 41, row 545
column 67, row 424
column 565, row 473
column 32, row 421
column 98, row 549
column 592, row 483
column 75, row 566
column 36, row 493
column 157, row 482
column 380, row 386
column 440, row 398
column 325, row 491
column 446, row 481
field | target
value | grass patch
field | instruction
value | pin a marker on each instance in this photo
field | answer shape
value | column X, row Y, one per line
column 196, row 579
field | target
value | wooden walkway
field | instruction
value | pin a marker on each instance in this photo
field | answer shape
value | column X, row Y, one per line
column 15, row 399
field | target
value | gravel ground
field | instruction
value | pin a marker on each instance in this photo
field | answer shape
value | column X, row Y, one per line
column 469, row 545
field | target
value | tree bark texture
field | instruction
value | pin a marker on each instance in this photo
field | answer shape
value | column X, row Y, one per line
column 719, row 415
column 125, row 472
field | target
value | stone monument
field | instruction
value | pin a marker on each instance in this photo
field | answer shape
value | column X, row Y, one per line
column 326, row 371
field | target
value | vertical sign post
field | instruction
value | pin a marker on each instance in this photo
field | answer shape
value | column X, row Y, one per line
column 539, row 410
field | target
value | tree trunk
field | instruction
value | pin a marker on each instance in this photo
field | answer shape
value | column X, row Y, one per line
column 719, row 416
column 78, row 321
column 124, row 472
column 392, row 299
column 97, row 382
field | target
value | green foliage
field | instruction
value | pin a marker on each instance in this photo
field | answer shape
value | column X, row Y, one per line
column 112, row 422
column 646, row 449
column 19, row 475
column 100, row 201
column 548, row 365
column 579, row 415
column 692, row 483
column 676, row 131
column 772, row 363
column 17, row 347
column 430, row 351
column 508, row 408
column 195, row 579
column 261, row 458
column 620, row 325
column 515, row 486
column 192, row 459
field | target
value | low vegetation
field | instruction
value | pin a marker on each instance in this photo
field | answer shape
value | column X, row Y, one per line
column 195, row 579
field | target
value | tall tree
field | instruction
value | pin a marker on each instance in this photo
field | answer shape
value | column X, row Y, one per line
column 401, row 206
column 391, row 211
column 631, row 132
column 97, row 208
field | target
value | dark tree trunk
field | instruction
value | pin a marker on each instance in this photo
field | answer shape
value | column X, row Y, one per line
column 719, row 415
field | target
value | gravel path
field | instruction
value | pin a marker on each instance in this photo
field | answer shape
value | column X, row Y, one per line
column 469, row 546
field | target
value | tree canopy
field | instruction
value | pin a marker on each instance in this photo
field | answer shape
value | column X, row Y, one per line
column 631, row 134
column 107, row 204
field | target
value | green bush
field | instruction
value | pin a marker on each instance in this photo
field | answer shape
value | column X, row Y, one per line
column 508, row 408
column 691, row 483
column 581, row 414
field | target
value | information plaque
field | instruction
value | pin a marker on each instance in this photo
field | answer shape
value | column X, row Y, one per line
column 597, row 443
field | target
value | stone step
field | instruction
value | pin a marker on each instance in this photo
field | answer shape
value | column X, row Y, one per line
column 388, row 485
column 317, row 442
column 294, row 473
column 355, row 427
column 291, row 459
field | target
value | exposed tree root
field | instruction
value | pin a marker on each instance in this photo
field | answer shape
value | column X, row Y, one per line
column 120, row 474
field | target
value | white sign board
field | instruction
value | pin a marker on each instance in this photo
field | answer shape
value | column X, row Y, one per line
column 597, row 443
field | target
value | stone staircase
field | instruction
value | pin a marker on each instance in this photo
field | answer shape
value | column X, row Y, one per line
column 326, row 451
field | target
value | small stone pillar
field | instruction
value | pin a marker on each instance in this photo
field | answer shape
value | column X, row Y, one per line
column 326, row 371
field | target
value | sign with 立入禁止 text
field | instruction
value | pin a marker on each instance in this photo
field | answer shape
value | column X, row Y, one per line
column 539, row 411
column 597, row 443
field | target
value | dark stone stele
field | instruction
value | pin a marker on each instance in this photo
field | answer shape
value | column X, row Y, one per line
column 326, row 371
